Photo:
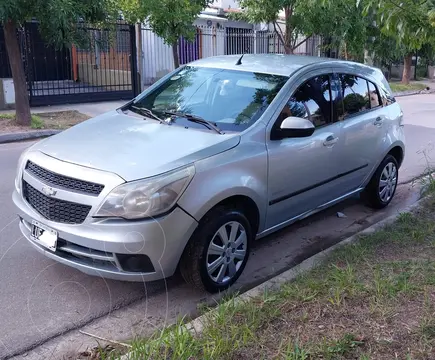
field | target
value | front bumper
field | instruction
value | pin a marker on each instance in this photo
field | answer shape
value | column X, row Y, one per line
column 97, row 246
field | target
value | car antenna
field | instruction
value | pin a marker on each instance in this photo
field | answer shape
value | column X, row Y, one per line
column 239, row 62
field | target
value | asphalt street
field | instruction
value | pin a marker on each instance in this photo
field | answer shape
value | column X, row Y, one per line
column 40, row 299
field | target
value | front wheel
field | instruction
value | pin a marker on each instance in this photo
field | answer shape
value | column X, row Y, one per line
column 382, row 187
column 218, row 251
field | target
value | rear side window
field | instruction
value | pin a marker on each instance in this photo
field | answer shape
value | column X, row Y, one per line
column 375, row 99
column 387, row 97
column 355, row 94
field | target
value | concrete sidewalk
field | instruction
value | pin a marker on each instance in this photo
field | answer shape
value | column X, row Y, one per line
column 90, row 109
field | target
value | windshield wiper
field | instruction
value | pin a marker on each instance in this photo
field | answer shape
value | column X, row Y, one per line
column 147, row 112
column 194, row 118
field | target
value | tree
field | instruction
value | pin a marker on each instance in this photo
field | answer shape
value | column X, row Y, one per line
column 409, row 22
column 169, row 19
column 268, row 11
column 58, row 24
column 386, row 50
column 341, row 22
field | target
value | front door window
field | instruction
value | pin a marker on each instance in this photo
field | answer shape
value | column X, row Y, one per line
column 311, row 101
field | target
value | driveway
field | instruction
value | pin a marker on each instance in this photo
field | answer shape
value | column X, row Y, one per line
column 40, row 299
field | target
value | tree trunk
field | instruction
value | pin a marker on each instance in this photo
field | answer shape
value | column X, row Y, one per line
column 21, row 95
column 288, row 46
column 288, row 49
column 407, row 67
column 175, row 54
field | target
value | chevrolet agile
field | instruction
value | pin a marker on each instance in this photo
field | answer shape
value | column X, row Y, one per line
column 216, row 154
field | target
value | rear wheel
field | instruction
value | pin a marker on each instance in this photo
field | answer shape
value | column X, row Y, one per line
column 218, row 251
column 382, row 187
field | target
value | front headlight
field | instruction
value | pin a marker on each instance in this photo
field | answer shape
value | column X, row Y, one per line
column 146, row 198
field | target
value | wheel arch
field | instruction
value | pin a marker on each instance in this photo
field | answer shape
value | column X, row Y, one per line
column 244, row 199
column 398, row 152
column 243, row 203
column 397, row 149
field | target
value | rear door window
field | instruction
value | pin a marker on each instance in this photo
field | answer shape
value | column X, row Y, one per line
column 386, row 96
column 354, row 94
column 375, row 99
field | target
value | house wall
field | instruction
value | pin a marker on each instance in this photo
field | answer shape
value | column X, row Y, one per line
column 108, row 79
column 212, row 42
column 397, row 71
column 226, row 4
column 157, row 57
column 105, row 60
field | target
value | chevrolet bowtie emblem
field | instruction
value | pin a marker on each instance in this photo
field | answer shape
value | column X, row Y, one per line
column 49, row 191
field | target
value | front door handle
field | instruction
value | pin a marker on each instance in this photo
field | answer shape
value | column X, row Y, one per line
column 330, row 141
column 378, row 122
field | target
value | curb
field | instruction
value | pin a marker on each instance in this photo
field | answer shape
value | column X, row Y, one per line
column 413, row 92
column 27, row 135
column 196, row 326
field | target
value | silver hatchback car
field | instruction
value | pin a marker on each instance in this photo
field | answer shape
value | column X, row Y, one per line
column 218, row 153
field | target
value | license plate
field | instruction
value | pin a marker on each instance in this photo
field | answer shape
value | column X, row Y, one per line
column 44, row 235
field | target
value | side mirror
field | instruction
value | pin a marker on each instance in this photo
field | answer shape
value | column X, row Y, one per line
column 294, row 127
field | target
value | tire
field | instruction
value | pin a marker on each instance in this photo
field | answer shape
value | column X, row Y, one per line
column 201, row 254
column 379, row 196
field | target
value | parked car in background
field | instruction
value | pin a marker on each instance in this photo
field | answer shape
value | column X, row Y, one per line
column 218, row 153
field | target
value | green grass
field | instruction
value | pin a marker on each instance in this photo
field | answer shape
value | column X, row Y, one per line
column 369, row 300
column 36, row 121
column 399, row 87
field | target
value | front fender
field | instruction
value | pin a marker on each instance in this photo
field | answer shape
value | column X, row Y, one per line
column 239, row 171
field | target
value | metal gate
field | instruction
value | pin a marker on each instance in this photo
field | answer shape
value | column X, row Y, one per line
column 103, row 68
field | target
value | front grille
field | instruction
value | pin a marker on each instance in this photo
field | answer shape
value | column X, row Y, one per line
column 55, row 209
column 62, row 181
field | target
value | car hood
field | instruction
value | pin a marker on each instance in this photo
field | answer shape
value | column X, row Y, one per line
column 133, row 147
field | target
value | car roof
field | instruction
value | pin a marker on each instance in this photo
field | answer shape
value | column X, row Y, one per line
column 277, row 64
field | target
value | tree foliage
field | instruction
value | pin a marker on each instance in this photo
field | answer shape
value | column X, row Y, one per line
column 58, row 19
column 169, row 19
column 293, row 15
column 58, row 24
column 341, row 22
column 410, row 23
column 386, row 49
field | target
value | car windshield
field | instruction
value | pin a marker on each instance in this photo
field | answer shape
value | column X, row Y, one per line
column 232, row 100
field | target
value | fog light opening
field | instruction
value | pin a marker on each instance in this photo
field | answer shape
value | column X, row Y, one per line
column 135, row 263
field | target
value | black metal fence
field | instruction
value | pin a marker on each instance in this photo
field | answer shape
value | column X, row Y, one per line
column 5, row 70
column 104, row 69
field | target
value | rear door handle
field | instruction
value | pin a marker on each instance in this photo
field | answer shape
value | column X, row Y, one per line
column 330, row 141
column 378, row 121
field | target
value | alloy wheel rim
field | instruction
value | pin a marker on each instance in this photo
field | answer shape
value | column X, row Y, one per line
column 226, row 252
column 388, row 182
